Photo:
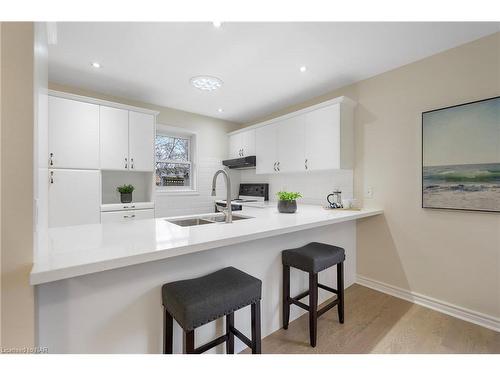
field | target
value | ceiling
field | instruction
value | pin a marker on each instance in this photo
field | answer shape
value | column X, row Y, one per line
column 257, row 62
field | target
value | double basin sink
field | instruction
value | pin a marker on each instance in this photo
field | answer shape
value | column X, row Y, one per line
column 203, row 219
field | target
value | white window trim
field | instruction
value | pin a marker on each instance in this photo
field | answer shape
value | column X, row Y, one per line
column 174, row 131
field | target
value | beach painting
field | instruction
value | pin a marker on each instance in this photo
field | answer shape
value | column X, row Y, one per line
column 461, row 157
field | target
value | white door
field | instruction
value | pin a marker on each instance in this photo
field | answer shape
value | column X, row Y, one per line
column 141, row 141
column 235, row 145
column 322, row 138
column 73, row 134
column 248, row 142
column 291, row 144
column 266, row 147
column 74, row 197
column 114, row 138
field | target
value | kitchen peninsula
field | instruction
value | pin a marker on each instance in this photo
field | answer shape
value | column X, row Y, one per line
column 98, row 285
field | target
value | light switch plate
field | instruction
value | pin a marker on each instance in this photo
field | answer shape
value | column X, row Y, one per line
column 369, row 192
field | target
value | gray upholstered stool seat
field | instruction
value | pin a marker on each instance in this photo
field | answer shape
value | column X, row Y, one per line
column 313, row 257
column 195, row 302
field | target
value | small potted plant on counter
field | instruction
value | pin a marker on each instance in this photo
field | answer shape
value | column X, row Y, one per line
column 287, row 202
column 125, row 193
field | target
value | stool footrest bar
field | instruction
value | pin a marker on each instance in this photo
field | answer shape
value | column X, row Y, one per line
column 326, row 287
column 241, row 336
column 298, row 303
column 211, row 344
column 328, row 307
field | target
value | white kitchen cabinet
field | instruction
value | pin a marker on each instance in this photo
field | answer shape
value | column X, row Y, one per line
column 316, row 138
column 235, row 141
column 291, row 144
column 329, row 139
column 266, row 147
column 73, row 134
column 114, row 131
column 124, row 216
column 74, row 197
column 141, row 141
column 242, row 144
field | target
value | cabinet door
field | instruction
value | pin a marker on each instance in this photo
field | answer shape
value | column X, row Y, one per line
column 235, row 145
column 248, row 142
column 266, row 147
column 322, row 138
column 141, row 141
column 74, row 197
column 73, row 134
column 291, row 144
column 114, row 138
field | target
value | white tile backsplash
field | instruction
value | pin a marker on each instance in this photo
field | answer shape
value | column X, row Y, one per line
column 314, row 186
column 176, row 205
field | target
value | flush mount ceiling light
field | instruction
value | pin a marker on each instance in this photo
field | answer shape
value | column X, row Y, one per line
column 303, row 68
column 96, row 65
column 206, row 83
column 220, row 110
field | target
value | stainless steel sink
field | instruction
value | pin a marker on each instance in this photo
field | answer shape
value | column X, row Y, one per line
column 190, row 222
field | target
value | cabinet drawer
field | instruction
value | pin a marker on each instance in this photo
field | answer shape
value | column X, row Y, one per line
column 127, row 206
column 123, row 216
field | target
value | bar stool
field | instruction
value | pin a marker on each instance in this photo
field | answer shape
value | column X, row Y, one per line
column 313, row 258
column 195, row 302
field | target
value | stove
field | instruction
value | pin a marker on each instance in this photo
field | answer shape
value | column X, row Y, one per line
column 255, row 194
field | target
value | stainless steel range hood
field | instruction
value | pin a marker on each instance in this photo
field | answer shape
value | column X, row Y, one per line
column 246, row 162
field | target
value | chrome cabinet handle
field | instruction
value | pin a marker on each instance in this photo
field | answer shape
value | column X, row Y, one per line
column 133, row 206
column 131, row 163
column 278, row 166
column 275, row 166
column 128, row 217
column 126, row 164
column 305, row 164
column 51, row 177
column 51, row 159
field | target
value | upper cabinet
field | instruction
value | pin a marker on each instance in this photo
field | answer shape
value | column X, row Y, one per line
column 242, row 144
column 141, row 141
column 73, row 134
column 316, row 138
column 114, row 138
column 126, row 140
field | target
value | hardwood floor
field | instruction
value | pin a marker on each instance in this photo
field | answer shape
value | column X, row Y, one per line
column 379, row 323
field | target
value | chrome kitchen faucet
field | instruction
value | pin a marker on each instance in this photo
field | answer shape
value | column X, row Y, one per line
column 228, row 212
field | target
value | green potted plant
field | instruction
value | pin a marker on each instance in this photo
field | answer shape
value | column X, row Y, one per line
column 287, row 202
column 125, row 193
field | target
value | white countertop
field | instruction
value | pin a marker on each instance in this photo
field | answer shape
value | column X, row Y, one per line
column 85, row 249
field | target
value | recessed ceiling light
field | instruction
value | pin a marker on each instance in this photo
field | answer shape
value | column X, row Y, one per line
column 220, row 110
column 217, row 24
column 96, row 65
column 206, row 83
column 303, row 68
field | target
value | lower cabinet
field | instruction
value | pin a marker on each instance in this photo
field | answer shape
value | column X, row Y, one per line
column 122, row 216
column 74, row 197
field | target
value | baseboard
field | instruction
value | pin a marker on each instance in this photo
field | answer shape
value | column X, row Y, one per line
column 475, row 317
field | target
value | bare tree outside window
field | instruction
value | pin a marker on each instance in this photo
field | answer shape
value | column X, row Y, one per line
column 173, row 162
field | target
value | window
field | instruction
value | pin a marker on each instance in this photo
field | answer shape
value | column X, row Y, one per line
column 174, row 168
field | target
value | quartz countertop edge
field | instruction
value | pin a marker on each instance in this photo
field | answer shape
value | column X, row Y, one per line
column 45, row 272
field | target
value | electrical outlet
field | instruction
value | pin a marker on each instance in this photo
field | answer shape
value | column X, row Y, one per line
column 369, row 192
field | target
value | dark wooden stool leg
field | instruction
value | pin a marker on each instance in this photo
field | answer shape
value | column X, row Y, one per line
column 313, row 308
column 286, row 296
column 168, row 332
column 229, row 333
column 256, row 340
column 188, row 342
column 340, row 288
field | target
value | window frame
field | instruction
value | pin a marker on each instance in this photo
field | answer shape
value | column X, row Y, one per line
column 175, row 132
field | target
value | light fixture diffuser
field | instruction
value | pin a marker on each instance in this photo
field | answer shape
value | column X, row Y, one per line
column 206, row 83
